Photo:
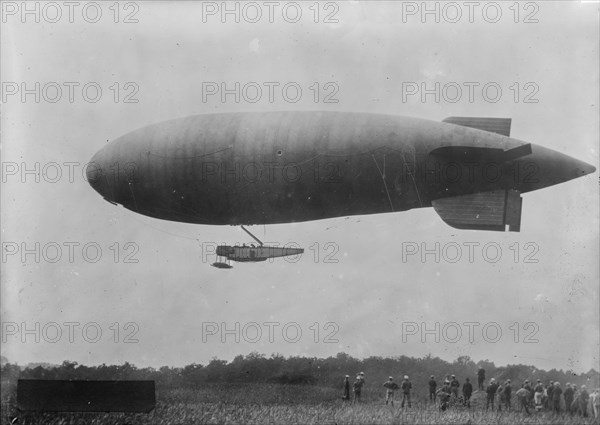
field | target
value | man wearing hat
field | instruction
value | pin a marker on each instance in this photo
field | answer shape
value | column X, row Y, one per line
column 569, row 395
column 480, row 378
column 432, row 388
column 584, row 399
column 523, row 398
column 390, row 387
column 467, row 390
column 444, row 395
column 346, row 388
column 491, row 393
column 556, row 393
column 357, row 387
column 508, row 394
column 549, row 390
column 406, row 387
column 538, row 395
column 454, row 386
column 595, row 399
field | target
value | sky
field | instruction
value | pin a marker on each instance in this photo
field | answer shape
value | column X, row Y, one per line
column 126, row 287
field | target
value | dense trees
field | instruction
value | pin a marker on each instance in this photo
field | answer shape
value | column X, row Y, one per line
column 330, row 371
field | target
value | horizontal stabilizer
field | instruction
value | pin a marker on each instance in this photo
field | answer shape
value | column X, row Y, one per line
column 493, row 125
column 482, row 211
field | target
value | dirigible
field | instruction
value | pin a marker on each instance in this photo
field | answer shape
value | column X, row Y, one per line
column 282, row 167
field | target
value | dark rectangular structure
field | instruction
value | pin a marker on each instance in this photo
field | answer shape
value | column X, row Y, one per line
column 42, row 395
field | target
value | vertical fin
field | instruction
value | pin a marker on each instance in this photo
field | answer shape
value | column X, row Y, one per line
column 482, row 211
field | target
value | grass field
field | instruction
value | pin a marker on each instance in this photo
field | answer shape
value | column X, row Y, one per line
column 282, row 404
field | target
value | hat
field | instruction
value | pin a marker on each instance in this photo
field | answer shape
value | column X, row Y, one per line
column 347, row 376
column 492, row 380
column 508, row 381
column 391, row 378
column 362, row 373
column 539, row 380
column 454, row 376
column 527, row 381
column 432, row 377
column 405, row 376
column 583, row 387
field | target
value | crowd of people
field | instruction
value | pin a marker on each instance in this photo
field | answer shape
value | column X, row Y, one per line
column 540, row 396
column 537, row 397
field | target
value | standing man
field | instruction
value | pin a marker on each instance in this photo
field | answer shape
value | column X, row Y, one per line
column 595, row 399
column 569, row 395
column 480, row 378
column 432, row 388
column 357, row 387
column 556, row 393
column 539, row 394
column 361, row 375
column 467, row 390
column 549, row 397
column 406, row 387
column 584, row 399
column 529, row 388
column 346, row 388
column 500, row 393
column 523, row 398
column 491, row 393
column 454, row 386
column 444, row 394
column 390, row 387
column 508, row 393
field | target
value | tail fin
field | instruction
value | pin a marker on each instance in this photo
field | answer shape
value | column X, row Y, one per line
column 493, row 125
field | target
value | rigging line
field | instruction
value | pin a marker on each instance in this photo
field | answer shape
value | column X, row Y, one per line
column 112, row 194
column 383, row 178
column 133, row 195
column 401, row 152
column 412, row 177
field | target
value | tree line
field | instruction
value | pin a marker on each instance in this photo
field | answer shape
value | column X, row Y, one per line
column 299, row 370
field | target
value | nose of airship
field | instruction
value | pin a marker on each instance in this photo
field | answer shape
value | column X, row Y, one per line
column 546, row 167
column 97, row 177
column 581, row 168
